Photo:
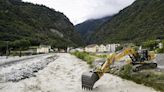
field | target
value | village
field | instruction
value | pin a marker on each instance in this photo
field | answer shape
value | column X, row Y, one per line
column 45, row 49
column 92, row 48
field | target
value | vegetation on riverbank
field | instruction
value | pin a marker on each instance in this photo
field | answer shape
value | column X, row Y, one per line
column 88, row 57
column 149, row 78
column 84, row 56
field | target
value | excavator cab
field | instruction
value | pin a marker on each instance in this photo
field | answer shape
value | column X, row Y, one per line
column 144, row 55
column 143, row 60
column 140, row 56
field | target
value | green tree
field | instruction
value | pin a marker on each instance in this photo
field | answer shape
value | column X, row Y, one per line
column 2, row 47
column 151, row 44
column 21, row 45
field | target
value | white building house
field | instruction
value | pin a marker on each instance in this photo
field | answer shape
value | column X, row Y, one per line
column 111, row 47
column 102, row 48
column 160, row 45
column 43, row 49
column 92, row 48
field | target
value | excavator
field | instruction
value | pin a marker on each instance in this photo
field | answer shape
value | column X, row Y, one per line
column 141, row 59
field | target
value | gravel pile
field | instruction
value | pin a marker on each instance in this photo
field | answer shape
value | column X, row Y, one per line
column 26, row 70
column 13, row 59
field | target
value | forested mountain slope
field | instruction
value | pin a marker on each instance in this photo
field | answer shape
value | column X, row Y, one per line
column 88, row 27
column 142, row 20
column 26, row 23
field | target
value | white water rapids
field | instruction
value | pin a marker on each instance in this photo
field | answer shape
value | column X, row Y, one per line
column 64, row 75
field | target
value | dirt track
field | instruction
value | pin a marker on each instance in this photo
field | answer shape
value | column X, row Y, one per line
column 64, row 75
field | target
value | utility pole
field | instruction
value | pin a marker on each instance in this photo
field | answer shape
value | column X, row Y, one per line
column 7, row 49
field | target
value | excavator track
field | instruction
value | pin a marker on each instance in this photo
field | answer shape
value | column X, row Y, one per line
column 140, row 67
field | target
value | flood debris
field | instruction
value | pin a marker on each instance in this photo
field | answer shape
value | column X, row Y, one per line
column 25, row 70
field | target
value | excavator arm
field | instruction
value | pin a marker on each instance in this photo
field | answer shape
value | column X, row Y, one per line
column 115, row 57
column 90, row 78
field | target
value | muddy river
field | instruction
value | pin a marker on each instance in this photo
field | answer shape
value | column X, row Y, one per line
column 64, row 75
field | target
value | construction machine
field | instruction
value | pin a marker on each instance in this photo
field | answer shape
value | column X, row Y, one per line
column 139, row 59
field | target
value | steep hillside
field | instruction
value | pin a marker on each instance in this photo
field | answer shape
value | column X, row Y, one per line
column 88, row 27
column 35, row 24
column 141, row 21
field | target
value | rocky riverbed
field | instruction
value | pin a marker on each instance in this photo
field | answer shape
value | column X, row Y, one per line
column 18, row 68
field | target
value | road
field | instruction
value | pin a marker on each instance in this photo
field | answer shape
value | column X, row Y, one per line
column 64, row 75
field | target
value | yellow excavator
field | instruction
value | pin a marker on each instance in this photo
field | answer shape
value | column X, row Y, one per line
column 141, row 59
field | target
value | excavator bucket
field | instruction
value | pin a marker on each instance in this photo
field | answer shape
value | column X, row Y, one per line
column 88, row 80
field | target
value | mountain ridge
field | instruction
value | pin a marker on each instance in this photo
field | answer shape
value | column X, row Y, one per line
column 87, row 27
column 141, row 21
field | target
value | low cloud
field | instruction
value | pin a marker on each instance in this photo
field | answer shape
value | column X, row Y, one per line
column 80, row 10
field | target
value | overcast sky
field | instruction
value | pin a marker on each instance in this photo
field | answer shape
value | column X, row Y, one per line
column 80, row 10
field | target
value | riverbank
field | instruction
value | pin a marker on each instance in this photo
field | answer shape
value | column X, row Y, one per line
column 152, row 78
column 19, row 68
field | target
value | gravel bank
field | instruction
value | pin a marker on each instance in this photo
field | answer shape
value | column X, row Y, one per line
column 24, row 68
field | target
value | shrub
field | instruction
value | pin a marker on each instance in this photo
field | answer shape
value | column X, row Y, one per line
column 160, row 50
column 150, row 44
column 126, row 71
column 84, row 56
column 146, row 77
